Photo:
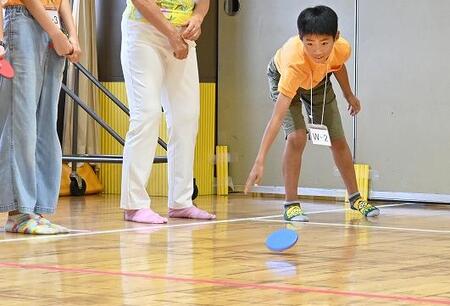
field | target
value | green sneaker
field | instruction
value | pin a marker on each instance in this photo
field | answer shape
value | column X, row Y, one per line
column 294, row 212
column 365, row 208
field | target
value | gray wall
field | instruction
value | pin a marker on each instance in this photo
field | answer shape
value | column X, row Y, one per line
column 403, row 79
column 247, row 42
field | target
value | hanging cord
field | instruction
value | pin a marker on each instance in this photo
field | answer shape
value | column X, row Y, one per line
column 324, row 97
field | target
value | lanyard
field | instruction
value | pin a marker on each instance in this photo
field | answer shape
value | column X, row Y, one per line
column 324, row 96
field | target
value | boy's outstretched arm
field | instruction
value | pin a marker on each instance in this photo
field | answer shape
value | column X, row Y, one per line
column 272, row 128
column 354, row 106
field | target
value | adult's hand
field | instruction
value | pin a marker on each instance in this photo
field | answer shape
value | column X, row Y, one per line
column 179, row 46
column 193, row 28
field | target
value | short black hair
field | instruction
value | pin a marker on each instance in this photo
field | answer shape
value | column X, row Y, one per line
column 319, row 20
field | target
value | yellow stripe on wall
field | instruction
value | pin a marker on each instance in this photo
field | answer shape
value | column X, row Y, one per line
column 362, row 172
column 222, row 170
column 204, row 152
column 110, row 174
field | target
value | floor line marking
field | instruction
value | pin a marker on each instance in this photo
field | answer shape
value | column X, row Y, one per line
column 391, row 228
column 134, row 229
column 230, row 283
column 168, row 226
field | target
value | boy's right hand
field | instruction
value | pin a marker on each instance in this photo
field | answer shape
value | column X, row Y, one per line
column 61, row 44
column 2, row 52
column 254, row 177
column 179, row 46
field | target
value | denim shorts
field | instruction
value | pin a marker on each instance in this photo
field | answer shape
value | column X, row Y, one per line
column 294, row 119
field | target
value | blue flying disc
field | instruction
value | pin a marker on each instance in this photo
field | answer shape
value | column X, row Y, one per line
column 281, row 240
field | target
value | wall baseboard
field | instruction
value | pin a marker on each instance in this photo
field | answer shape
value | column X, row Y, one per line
column 373, row 195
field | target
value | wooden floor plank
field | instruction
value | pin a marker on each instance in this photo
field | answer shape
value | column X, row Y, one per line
column 399, row 258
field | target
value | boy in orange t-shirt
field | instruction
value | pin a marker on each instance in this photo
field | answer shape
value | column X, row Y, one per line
column 300, row 72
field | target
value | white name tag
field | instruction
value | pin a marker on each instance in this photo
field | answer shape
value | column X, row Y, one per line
column 318, row 133
column 54, row 16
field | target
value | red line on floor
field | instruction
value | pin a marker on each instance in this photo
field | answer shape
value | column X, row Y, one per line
column 234, row 283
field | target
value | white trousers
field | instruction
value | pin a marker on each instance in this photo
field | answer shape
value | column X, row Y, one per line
column 155, row 78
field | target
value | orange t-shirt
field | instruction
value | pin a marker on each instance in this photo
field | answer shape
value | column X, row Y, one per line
column 48, row 4
column 298, row 71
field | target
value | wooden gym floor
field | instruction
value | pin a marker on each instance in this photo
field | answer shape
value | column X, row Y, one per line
column 399, row 258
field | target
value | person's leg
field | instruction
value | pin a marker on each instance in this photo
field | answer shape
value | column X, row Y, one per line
column 143, row 69
column 182, row 108
column 19, row 128
column 344, row 162
column 48, row 147
column 292, row 159
column 343, row 159
column 295, row 134
column 7, row 200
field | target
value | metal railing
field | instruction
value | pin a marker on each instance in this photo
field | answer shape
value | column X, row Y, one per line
column 78, row 185
column 75, row 157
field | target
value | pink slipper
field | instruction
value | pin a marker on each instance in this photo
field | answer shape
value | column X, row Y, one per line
column 190, row 213
column 143, row 215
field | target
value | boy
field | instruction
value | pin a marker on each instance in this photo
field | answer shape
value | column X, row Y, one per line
column 30, row 153
column 300, row 72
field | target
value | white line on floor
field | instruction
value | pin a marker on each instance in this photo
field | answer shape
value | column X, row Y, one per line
column 390, row 228
column 168, row 226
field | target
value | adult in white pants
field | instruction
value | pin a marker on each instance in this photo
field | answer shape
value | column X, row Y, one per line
column 160, row 69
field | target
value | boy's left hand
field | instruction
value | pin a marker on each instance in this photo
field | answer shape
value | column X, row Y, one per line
column 2, row 51
column 193, row 29
column 354, row 106
column 74, row 57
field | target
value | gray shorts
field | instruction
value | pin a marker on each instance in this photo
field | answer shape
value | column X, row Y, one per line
column 294, row 119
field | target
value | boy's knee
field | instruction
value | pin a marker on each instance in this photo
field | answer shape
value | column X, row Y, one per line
column 297, row 140
column 339, row 144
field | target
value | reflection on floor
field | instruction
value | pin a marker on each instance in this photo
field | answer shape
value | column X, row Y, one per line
column 400, row 258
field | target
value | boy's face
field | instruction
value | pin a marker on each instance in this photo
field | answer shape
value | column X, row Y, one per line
column 318, row 47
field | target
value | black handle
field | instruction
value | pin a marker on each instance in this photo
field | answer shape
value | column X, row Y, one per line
column 231, row 7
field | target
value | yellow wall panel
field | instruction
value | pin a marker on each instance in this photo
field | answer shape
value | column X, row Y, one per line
column 362, row 172
column 204, row 152
column 222, row 170
column 204, row 155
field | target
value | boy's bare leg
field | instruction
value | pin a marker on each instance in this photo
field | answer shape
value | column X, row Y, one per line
column 292, row 161
column 343, row 160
